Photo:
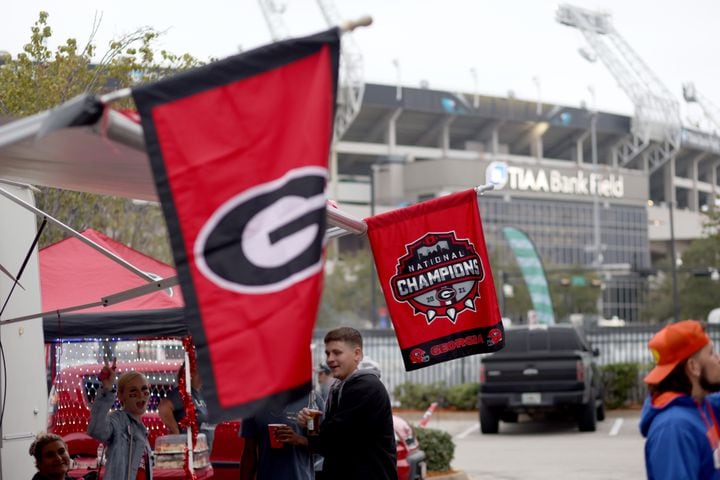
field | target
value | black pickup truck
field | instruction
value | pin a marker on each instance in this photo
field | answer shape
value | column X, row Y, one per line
column 541, row 369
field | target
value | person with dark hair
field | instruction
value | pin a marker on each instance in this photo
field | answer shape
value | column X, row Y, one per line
column 52, row 458
column 274, row 445
column 172, row 408
column 679, row 418
column 323, row 381
column 356, row 436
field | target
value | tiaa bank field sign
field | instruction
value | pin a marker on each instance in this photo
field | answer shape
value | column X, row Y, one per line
column 579, row 182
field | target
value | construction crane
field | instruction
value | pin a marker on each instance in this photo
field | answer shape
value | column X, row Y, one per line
column 352, row 82
column 657, row 113
column 272, row 11
column 710, row 110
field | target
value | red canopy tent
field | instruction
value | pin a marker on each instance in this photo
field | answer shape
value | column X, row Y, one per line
column 71, row 273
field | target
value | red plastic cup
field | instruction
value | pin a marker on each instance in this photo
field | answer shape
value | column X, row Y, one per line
column 272, row 431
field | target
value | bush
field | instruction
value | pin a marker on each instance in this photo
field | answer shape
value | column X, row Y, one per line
column 619, row 380
column 463, row 396
column 438, row 446
column 418, row 396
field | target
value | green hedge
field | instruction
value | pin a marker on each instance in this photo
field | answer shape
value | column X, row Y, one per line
column 438, row 446
column 418, row 396
column 463, row 396
column 619, row 381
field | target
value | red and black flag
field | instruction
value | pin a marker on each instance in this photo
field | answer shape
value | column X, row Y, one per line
column 433, row 266
column 239, row 152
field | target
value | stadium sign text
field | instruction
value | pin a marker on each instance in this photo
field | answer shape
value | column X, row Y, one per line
column 553, row 181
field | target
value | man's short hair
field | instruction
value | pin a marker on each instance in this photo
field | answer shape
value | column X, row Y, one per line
column 41, row 441
column 345, row 334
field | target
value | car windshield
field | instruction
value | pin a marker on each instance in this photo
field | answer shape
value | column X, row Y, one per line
column 160, row 385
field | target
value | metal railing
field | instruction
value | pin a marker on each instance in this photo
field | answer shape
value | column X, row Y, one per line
column 615, row 344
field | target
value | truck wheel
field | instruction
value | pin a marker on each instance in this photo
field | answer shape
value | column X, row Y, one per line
column 489, row 420
column 601, row 410
column 587, row 420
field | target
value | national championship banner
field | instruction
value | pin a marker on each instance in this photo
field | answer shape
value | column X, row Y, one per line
column 239, row 152
column 433, row 266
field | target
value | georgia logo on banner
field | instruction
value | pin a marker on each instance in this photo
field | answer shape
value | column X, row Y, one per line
column 280, row 224
column 433, row 267
column 439, row 276
column 239, row 151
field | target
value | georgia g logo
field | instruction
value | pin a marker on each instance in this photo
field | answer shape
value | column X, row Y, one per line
column 438, row 276
column 267, row 237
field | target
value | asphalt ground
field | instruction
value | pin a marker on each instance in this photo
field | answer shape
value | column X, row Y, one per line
column 544, row 449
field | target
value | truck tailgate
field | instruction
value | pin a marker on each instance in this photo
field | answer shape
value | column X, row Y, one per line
column 541, row 373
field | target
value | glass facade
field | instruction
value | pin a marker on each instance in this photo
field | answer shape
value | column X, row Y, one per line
column 563, row 234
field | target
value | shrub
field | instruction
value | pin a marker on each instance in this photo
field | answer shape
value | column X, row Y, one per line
column 463, row 396
column 619, row 380
column 418, row 396
column 438, row 446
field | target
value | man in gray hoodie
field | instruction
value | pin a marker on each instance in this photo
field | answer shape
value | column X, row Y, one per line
column 356, row 436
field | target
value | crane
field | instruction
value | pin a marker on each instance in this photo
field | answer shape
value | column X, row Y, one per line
column 657, row 113
column 710, row 110
column 352, row 83
column 272, row 11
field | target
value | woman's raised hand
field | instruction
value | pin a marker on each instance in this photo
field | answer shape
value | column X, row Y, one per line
column 107, row 374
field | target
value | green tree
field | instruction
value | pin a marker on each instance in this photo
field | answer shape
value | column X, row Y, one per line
column 574, row 290
column 346, row 298
column 39, row 78
column 697, row 292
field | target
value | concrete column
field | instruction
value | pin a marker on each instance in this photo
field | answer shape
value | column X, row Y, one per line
column 669, row 180
column 536, row 146
column 693, row 200
column 495, row 140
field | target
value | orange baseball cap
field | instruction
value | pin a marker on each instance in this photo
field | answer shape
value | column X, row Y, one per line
column 673, row 344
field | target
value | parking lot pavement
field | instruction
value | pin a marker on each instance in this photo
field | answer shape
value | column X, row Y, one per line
column 545, row 449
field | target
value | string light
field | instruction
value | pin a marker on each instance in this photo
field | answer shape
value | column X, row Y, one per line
column 77, row 363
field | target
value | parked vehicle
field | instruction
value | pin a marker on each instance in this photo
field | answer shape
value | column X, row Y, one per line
column 76, row 386
column 410, row 458
column 541, row 369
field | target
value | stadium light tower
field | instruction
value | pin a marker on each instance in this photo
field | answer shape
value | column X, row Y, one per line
column 710, row 110
column 657, row 113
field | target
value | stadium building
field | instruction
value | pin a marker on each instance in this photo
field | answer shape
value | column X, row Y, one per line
column 413, row 144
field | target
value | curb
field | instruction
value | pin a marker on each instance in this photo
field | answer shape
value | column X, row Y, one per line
column 458, row 475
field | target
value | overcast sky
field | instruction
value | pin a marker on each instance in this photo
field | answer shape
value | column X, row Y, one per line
column 513, row 45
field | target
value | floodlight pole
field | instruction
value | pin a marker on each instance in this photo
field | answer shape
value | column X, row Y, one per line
column 673, row 259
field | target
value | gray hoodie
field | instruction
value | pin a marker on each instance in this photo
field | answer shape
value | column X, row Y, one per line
column 124, row 435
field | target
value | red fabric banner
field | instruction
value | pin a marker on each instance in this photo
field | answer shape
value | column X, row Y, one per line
column 239, row 152
column 433, row 267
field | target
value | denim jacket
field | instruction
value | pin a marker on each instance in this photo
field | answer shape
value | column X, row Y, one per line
column 124, row 435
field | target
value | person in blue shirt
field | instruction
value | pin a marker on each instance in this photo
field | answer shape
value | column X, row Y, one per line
column 679, row 418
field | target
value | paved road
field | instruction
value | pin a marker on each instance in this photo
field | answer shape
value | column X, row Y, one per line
column 546, row 450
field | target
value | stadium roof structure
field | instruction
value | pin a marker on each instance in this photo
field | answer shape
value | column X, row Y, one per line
column 420, row 123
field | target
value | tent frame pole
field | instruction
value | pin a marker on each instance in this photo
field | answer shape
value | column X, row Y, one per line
column 77, row 235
